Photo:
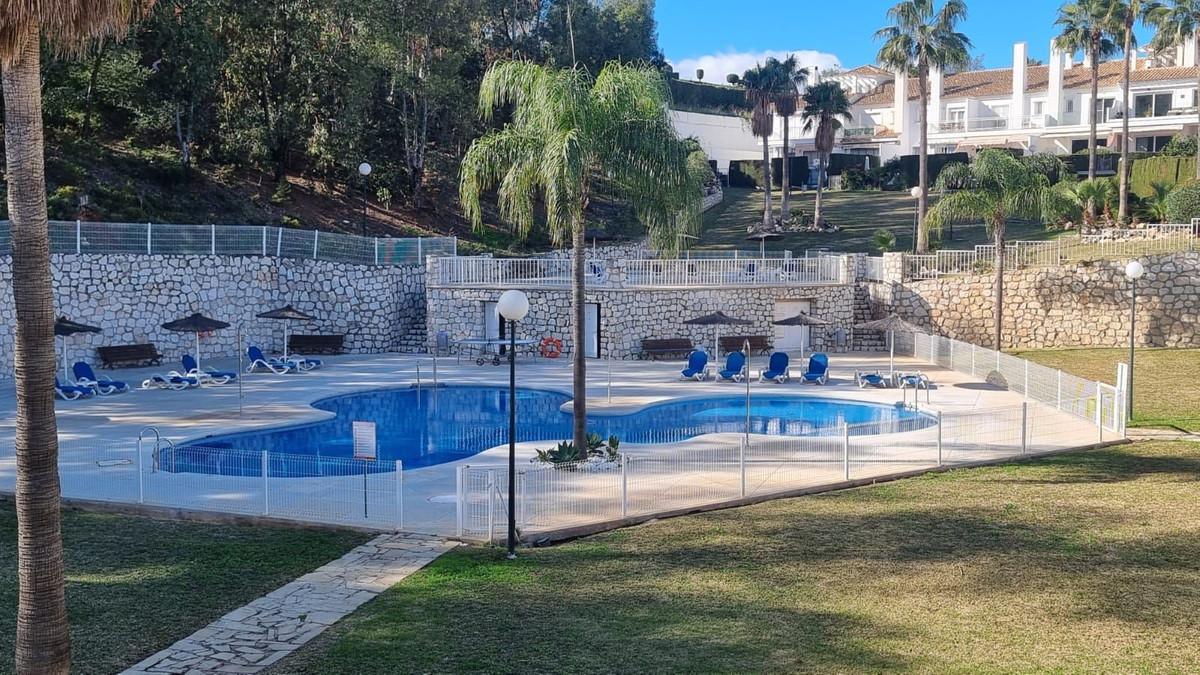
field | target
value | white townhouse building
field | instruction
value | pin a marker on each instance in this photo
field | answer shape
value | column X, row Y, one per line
column 1030, row 108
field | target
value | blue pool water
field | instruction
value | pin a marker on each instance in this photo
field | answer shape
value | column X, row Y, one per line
column 432, row 426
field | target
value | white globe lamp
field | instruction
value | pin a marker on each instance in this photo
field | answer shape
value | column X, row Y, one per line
column 364, row 169
column 513, row 305
column 915, row 192
column 1134, row 270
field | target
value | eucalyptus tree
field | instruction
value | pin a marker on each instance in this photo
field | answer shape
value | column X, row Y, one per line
column 1088, row 26
column 995, row 188
column 1174, row 22
column 68, row 26
column 792, row 79
column 826, row 107
column 564, row 132
column 923, row 36
column 763, row 84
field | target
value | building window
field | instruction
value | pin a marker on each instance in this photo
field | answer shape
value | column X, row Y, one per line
column 1037, row 108
column 1150, row 143
column 1070, row 105
column 1081, row 144
column 1103, row 108
column 1152, row 105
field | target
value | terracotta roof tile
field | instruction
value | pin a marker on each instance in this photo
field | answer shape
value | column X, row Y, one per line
column 998, row 82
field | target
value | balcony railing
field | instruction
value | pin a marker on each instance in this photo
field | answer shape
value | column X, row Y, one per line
column 555, row 273
column 974, row 124
column 858, row 132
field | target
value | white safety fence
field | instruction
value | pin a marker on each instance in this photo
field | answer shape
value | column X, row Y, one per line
column 1061, row 411
column 339, row 491
column 1110, row 243
column 240, row 240
column 726, row 468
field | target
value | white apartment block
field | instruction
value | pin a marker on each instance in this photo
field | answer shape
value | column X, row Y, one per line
column 1029, row 108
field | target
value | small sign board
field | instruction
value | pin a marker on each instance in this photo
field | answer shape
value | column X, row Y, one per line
column 364, row 440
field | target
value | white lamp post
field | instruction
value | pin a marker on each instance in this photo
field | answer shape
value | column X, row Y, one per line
column 364, row 170
column 512, row 307
column 916, row 193
column 1133, row 271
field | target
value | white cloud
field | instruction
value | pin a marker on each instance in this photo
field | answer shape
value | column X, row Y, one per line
column 717, row 66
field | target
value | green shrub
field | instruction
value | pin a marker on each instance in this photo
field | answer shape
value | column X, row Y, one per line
column 884, row 240
column 1180, row 145
column 854, row 179
column 597, row 449
column 63, row 203
column 1183, row 203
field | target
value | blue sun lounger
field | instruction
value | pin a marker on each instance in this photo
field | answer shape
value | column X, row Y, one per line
column 872, row 379
column 103, row 385
column 259, row 360
column 777, row 369
column 170, row 381
column 735, row 367
column 70, row 392
column 697, row 362
column 818, row 369
column 192, row 369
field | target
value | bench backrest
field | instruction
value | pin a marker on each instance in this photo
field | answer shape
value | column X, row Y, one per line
column 666, row 343
column 733, row 343
column 128, row 351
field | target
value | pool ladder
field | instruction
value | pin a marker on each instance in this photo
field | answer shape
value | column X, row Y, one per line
column 156, row 454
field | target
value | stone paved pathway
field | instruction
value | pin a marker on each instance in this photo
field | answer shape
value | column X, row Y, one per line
column 250, row 638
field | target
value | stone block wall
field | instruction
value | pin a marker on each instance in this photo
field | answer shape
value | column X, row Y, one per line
column 1079, row 305
column 627, row 316
column 129, row 296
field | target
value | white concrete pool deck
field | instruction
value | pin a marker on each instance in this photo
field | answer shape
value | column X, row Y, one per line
column 272, row 400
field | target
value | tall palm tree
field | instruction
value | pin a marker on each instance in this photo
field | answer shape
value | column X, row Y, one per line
column 994, row 188
column 1126, row 12
column 1174, row 21
column 70, row 26
column 566, row 130
column 923, row 36
column 763, row 85
column 1088, row 26
column 825, row 108
column 787, row 100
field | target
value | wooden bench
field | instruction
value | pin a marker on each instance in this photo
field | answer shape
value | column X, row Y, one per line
column 316, row 344
column 665, row 347
column 128, row 355
column 759, row 344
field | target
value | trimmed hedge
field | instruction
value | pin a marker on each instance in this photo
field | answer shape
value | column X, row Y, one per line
column 797, row 174
column 1183, row 203
column 710, row 98
column 1171, row 170
column 745, row 173
column 909, row 164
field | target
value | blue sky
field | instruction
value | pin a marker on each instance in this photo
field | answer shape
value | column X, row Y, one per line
column 732, row 35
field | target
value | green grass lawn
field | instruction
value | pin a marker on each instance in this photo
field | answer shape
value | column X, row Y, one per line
column 1164, row 393
column 859, row 214
column 135, row 585
column 1081, row 562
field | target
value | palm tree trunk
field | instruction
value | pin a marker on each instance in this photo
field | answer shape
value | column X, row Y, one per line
column 578, row 353
column 767, row 214
column 817, row 217
column 1092, row 117
column 42, row 641
column 922, row 244
column 1123, row 208
column 785, row 204
column 998, row 283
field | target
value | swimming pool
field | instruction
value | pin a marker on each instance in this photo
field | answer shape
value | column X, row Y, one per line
column 424, row 427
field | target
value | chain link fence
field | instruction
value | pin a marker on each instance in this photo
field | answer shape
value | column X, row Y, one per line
column 236, row 240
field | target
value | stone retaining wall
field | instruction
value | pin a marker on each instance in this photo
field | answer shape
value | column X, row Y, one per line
column 378, row 308
column 1079, row 305
column 627, row 316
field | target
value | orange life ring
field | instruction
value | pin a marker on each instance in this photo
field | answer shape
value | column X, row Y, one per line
column 551, row 348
